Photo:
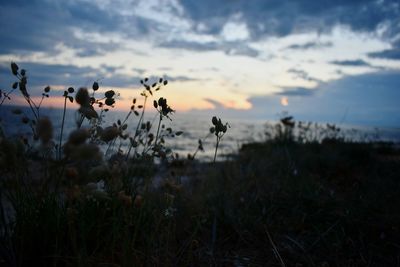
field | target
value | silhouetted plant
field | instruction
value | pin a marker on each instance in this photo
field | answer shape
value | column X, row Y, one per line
column 219, row 129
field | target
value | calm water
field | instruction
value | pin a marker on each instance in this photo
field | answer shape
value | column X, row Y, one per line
column 193, row 127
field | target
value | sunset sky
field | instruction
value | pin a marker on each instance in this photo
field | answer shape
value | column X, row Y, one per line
column 328, row 60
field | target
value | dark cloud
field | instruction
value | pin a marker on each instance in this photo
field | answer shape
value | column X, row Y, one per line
column 40, row 75
column 353, row 63
column 283, row 17
column 180, row 78
column 368, row 99
column 296, row 91
column 387, row 54
column 229, row 48
column 39, row 25
column 309, row 45
column 303, row 75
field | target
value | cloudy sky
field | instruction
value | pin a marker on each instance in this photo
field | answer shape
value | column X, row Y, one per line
column 327, row 60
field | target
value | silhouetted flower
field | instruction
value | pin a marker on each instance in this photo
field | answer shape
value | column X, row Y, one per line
column 44, row 130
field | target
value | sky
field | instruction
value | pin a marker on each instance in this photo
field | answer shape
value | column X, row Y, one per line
column 332, row 61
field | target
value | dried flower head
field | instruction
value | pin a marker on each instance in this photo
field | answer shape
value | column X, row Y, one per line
column 78, row 136
column 84, row 152
column 88, row 112
column 44, row 130
column 82, row 97
column 109, row 133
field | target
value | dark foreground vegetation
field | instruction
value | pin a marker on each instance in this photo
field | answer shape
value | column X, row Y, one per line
column 292, row 200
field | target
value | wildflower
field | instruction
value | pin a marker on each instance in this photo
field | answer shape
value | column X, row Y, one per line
column 109, row 133
column 14, row 68
column 165, row 109
column 44, row 130
column 88, row 112
column 82, row 97
column 88, row 152
column 78, row 136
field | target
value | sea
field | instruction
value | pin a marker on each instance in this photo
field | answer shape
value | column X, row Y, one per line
column 194, row 126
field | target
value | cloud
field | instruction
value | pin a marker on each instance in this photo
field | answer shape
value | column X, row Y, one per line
column 180, row 78
column 353, row 63
column 296, row 91
column 40, row 75
column 41, row 25
column 229, row 48
column 303, row 75
column 368, row 99
column 216, row 104
column 281, row 18
column 310, row 45
column 393, row 54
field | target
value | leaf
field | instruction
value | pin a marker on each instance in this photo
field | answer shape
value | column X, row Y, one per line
column 155, row 104
column 70, row 90
column 46, row 89
column 15, row 85
column 71, row 99
column 165, row 82
column 178, row 133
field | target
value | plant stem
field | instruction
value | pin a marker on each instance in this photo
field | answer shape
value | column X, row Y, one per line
column 62, row 128
column 216, row 148
column 158, row 129
column 137, row 128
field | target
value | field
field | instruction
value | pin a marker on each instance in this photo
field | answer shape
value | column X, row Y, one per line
column 295, row 199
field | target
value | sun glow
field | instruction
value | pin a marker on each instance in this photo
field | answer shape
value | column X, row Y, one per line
column 284, row 101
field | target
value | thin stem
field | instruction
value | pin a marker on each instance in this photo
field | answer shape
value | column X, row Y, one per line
column 216, row 148
column 6, row 96
column 30, row 102
column 62, row 128
column 158, row 129
column 137, row 128
column 40, row 103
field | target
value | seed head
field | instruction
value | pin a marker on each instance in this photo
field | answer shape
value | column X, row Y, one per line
column 44, row 130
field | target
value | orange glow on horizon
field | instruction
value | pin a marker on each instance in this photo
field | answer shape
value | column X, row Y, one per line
column 181, row 98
